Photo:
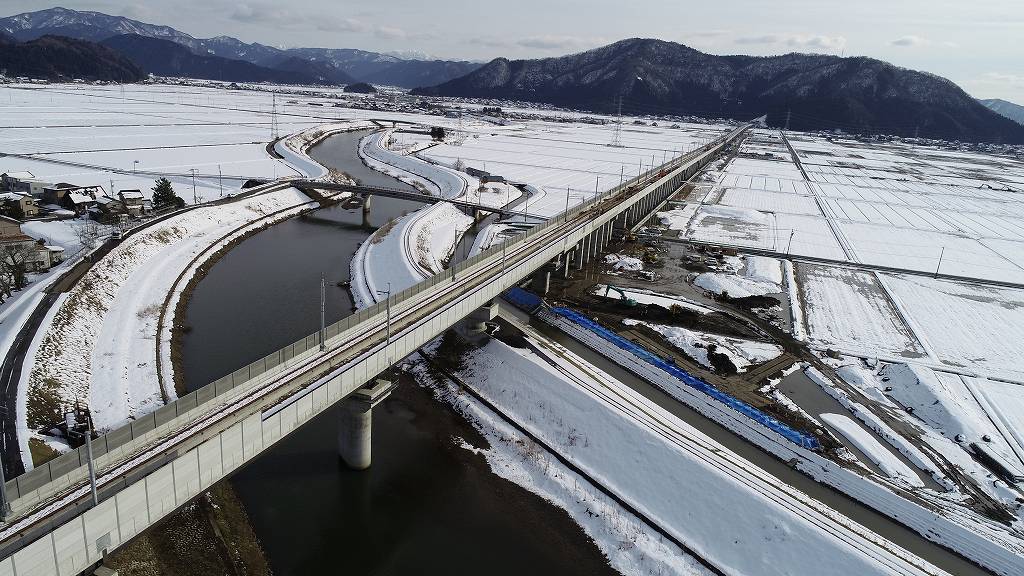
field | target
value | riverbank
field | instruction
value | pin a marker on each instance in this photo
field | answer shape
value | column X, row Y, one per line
column 211, row 535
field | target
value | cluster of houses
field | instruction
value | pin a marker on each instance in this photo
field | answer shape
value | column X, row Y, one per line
column 23, row 194
column 38, row 256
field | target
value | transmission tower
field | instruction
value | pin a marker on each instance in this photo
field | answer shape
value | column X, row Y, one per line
column 617, row 134
column 273, row 118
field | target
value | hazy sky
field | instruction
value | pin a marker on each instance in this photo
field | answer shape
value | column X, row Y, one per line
column 978, row 44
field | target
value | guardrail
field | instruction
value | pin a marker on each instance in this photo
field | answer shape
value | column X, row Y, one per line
column 27, row 490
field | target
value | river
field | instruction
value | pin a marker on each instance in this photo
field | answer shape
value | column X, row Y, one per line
column 426, row 505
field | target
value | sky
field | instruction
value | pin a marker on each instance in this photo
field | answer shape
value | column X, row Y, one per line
column 977, row 44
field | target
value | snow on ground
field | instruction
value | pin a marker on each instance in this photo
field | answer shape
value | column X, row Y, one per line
column 696, row 345
column 492, row 234
column 100, row 347
column 600, row 425
column 621, row 262
column 886, row 204
column 437, row 180
column 1004, row 403
column 631, row 546
column 66, row 234
column 873, row 383
column 678, row 218
column 848, row 310
column 568, row 158
column 969, row 327
column 406, row 251
column 436, row 234
column 745, row 276
column 943, row 402
column 871, row 448
column 648, row 297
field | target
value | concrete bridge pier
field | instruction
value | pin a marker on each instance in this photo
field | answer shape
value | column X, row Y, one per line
column 541, row 282
column 578, row 251
column 367, row 201
column 356, row 423
column 475, row 325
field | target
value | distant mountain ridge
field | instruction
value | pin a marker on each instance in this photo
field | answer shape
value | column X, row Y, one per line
column 1009, row 110
column 60, row 58
column 807, row 91
column 350, row 65
column 167, row 58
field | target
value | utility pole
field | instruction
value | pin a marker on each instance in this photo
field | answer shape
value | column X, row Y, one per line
column 566, row 204
column 622, row 174
column 790, row 243
column 323, row 307
column 220, row 179
column 788, row 114
column 939, row 265
column 194, row 196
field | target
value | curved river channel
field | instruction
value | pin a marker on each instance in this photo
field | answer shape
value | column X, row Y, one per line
column 426, row 506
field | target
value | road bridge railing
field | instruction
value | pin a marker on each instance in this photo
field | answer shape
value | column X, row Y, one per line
column 289, row 385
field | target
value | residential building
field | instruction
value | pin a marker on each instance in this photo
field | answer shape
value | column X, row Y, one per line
column 133, row 201
column 38, row 256
column 23, row 181
column 25, row 204
column 76, row 198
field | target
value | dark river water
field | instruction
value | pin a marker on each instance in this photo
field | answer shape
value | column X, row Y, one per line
column 426, row 506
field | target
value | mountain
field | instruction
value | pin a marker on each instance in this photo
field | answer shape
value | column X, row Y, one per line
column 167, row 58
column 59, row 58
column 809, row 91
column 376, row 68
column 1010, row 110
column 324, row 73
column 406, row 71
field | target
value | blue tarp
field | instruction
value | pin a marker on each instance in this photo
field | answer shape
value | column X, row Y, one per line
column 522, row 299
column 797, row 437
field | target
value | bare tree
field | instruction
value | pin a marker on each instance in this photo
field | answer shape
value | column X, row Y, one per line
column 14, row 260
column 87, row 233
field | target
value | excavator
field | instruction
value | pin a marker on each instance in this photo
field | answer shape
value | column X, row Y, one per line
column 624, row 299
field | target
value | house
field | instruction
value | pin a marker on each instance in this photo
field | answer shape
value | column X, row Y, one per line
column 133, row 201
column 22, row 182
column 107, row 209
column 20, row 203
column 38, row 256
column 76, row 198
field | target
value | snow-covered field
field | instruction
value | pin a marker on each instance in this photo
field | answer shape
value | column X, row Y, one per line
column 895, row 205
column 848, row 310
column 968, row 327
